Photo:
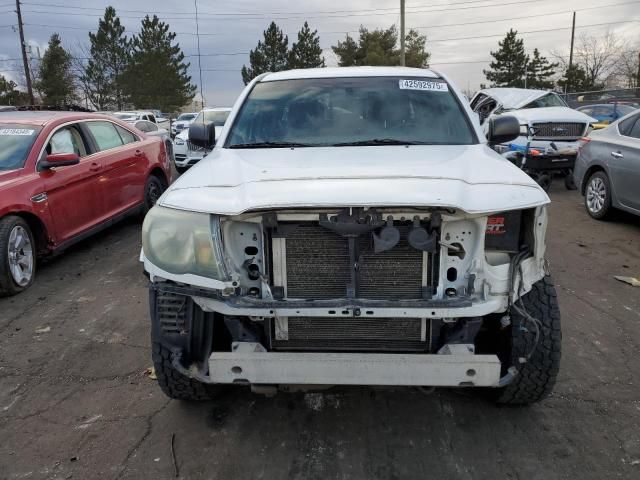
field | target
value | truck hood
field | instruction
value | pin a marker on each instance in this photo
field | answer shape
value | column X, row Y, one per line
column 469, row 177
column 550, row 114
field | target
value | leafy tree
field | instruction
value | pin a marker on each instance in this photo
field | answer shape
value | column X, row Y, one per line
column 415, row 54
column 508, row 68
column 272, row 55
column 575, row 79
column 10, row 95
column 306, row 52
column 156, row 76
column 540, row 71
column 109, row 56
column 347, row 52
column 55, row 79
column 378, row 47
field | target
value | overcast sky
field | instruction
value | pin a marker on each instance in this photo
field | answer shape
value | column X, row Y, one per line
column 229, row 29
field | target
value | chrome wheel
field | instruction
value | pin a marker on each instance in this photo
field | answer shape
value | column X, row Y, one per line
column 21, row 260
column 596, row 195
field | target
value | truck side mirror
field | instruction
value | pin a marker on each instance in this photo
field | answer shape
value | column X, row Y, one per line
column 203, row 135
column 503, row 129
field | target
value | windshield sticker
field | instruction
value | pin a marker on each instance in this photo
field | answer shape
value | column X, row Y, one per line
column 16, row 131
column 424, row 85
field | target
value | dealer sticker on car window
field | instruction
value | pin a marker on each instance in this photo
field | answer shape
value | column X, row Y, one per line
column 424, row 85
column 16, row 131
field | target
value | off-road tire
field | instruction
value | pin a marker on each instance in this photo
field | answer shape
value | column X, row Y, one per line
column 537, row 376
column 173, row 383
column 8, row 286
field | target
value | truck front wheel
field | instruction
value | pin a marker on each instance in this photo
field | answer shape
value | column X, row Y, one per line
column 538, row 361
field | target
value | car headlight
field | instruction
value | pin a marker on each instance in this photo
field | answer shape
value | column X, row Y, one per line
column 182, row 242
column 179, row 141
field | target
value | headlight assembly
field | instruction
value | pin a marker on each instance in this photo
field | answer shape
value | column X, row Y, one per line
column 181, row 242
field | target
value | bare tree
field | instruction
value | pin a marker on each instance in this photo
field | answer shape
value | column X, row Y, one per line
column 598, row 55
column 628, row 67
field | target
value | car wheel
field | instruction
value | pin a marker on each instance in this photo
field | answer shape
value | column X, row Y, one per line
column 597, row 196
column 18, row 259
column 533, row 350
column 569, row 182
column 152, row 191
column 181, row 170
column 544, row 180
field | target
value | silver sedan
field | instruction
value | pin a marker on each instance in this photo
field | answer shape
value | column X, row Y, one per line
column 607, row 169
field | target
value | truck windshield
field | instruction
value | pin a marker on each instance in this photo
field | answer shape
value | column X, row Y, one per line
column 350, row 112
column 217, row 117
column 549, row 100
column 15, row 142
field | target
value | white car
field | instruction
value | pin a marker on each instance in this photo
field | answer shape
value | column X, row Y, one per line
column 182, row 122
column 153, row 130
column 214, row 116
column 352, row 226
column 148, row 115
column 550, row 130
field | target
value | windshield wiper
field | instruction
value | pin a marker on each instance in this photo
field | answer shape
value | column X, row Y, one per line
column 377, row 141
column 270, row 145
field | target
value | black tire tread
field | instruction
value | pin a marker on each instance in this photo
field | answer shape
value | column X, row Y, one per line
column 537, row 377
column 173, row 383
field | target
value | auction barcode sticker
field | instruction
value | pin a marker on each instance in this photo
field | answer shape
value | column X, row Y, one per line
column 424, row 85
column 16, row 131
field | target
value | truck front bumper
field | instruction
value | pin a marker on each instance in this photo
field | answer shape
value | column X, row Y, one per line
column 249, row 363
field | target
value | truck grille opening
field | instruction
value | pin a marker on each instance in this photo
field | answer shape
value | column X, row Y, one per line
column 318, row 267
column 551, row 131
column 354, row 334
column 171, row 310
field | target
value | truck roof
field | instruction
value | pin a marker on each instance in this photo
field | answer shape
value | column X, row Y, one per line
column 343, row 72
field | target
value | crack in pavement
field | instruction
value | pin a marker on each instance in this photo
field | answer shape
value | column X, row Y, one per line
column 139, row 443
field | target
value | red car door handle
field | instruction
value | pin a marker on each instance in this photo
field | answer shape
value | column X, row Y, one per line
column 139, row 153
column 95, row 167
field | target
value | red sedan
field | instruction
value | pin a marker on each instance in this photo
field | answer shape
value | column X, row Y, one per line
column 65, row 176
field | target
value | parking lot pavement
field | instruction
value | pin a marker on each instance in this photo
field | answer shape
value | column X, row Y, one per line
column 75, row 401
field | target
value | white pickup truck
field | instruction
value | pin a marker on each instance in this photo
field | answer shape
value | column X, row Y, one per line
column 352, row 226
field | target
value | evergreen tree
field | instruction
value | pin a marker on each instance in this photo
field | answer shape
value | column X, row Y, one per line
column 156, row 76
column 415, row 54
column 10, row 95
column 272, row 55
column 347, row 52
column 540, row 71
column 110, row 51
column 575, row 79
column 306, row 52
column 55, row 78
column 508, row 68
column 379, row 47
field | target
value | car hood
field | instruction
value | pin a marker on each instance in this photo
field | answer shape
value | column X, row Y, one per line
column 550, row 114
column 470, row 177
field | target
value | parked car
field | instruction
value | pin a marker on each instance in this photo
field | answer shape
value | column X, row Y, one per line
column 64, row 176
column 605, row 113
column 337, row 234
column 182, row 122
column 162, row 120
column 7, row 108
column 550, row 130
column 134, row 116
column 215, row 116
column 608, row 168
column 180, row 150
column 153, row 130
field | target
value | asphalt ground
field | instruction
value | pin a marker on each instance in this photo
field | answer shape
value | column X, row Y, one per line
column 75, row 401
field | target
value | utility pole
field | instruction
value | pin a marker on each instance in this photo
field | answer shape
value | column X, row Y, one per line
column 25, row 61
column 402, row 32
column 569, row 72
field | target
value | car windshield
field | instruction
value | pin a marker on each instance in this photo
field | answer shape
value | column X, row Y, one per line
column 185, row 117
column 217, row 117
column 625, row 109
column 548, row 100
column 350, row 112
column 15, row 142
